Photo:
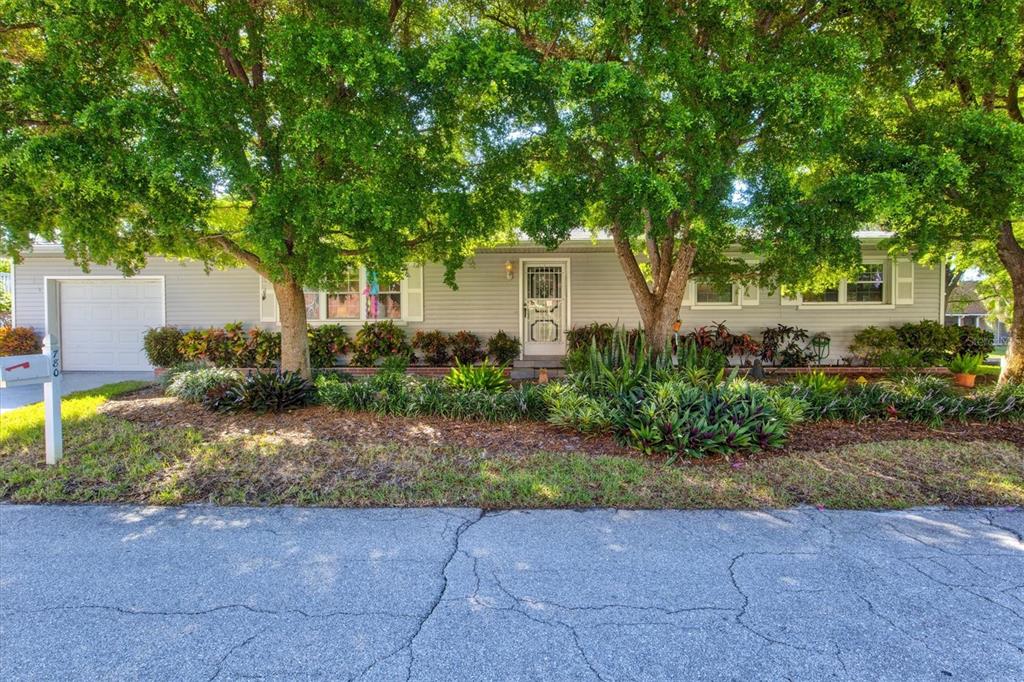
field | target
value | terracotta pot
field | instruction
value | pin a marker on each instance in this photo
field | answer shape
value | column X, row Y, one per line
column 965, row 380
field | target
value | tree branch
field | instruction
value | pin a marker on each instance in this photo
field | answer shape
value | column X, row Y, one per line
column 227, row 245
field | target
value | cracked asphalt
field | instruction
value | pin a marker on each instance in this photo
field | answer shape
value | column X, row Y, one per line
column 201, row 593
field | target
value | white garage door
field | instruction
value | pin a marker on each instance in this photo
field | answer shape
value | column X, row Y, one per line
column 102, row 322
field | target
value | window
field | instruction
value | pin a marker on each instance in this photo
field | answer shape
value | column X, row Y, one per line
column 715, row 293
column 312, row 305
column 868, row 287
column 826, row 296
column 343, row 304
column 386, row 303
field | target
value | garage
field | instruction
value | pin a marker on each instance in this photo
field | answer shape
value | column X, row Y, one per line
column 102, row 322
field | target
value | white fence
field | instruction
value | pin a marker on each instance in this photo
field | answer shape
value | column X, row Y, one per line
column 6, row 282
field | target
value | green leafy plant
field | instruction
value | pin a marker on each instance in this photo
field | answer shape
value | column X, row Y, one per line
column 600, row 333
column 394, row 364
column 161, row 346
column 569, row 406
column 819, row 382
column 169, row 373
column 231, row 346
column 966, row 363
column 377, row 340
column 18, row 341
column 719, row 338
column 932, row 341
column 326, row 343
column 194, row 385
column 786, row 346
column 465, row 347
column 503, row 347
column 900, row 360
column 871, row 342
column 483, row 377
column 432, row 346
column 261, row 392
column 974, row 340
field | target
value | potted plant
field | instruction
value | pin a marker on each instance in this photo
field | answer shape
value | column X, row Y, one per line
column 964, row 367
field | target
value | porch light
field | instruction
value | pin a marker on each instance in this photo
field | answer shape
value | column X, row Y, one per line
column 509, row 269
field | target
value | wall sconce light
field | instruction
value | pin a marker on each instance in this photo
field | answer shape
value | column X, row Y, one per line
column 509, row 269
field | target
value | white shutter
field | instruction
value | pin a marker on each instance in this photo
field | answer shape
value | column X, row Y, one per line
column 690, row 295
column 412, row 293
column 751, row 294
column 268, row 302
column 904, row 282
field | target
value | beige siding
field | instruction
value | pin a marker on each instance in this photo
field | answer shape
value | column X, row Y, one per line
column 192, row 297
column 486, row 300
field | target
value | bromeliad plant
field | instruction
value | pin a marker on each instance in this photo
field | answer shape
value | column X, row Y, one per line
column 261, row 392
column 486, row 377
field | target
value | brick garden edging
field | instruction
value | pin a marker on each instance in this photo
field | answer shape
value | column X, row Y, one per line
column 851, row 371
column 431, row 372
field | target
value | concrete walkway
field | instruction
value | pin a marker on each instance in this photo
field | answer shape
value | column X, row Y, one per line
column 201, row 592
column 17, row 396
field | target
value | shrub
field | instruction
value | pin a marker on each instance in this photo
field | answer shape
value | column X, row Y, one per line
column 376, row 340
column 819, row 382
column 261, row 392
column 194, row 385
column 433, row 347
column 900, row 360
column 720, row 339
column 933, row 341
column 408, row 395
column 326, row 343
column 18, row 341
column 465, row 347
column 966, row 363
column 600, row 333
column 5, row 302
column 677, row 419
column 786, row 346
column 504, row 348
column 871, row 342
column 973, row 340
column 168, row 376
column 485, row 377
column 161, row 346
column 232, row 346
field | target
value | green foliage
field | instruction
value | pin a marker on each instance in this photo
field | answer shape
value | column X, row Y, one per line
column 819, row 382
column 503, row 347
column 901, row 360
column 5, row 301
column 261, row 392
column 570, row 406
column 232, row 346
column 465, row 347
column 161, row 346
column 377, row 340
column 974, row 340
column 599, row 333
column 675, row 419
column 924, row 399
column 171, row 372
column 786, row 346
column 871, row 342
column 326, row 343
column 194, row 385
column 432, row 346
column 483, row 377
column 406, row 395
column 966, row 363
column 933, row 341
column 18, row 341
column 721, row 339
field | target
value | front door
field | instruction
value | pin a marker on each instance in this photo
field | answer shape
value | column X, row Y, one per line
column 545, row 307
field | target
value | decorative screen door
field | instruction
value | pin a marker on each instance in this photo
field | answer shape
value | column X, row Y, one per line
column 545, row 304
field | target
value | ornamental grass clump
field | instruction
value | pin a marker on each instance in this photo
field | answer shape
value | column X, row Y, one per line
column 195, row 384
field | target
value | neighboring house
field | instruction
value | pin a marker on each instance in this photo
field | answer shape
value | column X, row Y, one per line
column 523, row 289
column 964, row 308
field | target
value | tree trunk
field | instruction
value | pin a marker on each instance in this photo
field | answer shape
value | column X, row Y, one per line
column 670, row 270
column 1011, row 254
column 291, row 303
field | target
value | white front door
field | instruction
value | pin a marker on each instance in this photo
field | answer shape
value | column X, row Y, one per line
column 102, row 322
column 545, row 307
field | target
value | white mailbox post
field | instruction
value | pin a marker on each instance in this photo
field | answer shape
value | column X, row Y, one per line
column 23, row 370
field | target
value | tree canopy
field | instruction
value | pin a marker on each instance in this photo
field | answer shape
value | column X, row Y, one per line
column 293, row 137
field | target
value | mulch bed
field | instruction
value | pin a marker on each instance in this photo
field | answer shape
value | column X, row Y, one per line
column 150, row 408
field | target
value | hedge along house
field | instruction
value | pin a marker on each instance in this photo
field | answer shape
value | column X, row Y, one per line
column 523, row 289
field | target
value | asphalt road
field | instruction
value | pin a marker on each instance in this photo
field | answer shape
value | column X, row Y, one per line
column 199, row 593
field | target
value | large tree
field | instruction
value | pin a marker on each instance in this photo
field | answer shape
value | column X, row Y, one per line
column 684, row 129
column 942, row 136
column 295, row 137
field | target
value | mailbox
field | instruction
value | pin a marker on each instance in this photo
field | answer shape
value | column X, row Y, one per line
column 24, row 369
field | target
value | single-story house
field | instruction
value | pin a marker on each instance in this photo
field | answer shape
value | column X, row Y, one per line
column 523, row 289
column 964, row 308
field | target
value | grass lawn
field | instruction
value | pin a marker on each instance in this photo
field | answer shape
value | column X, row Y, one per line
column 111, row 459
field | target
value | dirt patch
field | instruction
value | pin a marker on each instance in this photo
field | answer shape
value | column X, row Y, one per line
column 309, row 424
